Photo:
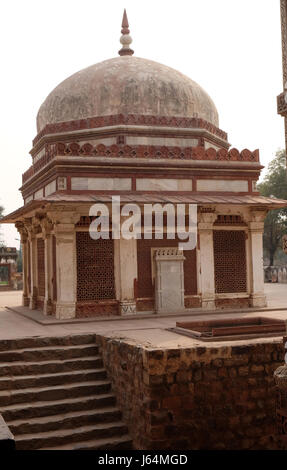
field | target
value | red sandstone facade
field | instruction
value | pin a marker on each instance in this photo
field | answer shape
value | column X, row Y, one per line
column 149, row 134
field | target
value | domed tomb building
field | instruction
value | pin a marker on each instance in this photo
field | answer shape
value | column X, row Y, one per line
column 136, row 129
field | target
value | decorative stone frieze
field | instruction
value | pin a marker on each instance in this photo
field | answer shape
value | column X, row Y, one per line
column 127, row 307
column 138, row 151
column 129, row 119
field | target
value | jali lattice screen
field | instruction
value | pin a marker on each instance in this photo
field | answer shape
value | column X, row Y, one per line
column 229, row 261
column 95, row 268
column 41, row 266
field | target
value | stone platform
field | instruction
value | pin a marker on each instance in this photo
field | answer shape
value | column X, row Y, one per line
column 176, row 392
column 139, row 326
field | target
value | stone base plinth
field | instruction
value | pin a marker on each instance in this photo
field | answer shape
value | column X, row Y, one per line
column 127, row 307
column 25, row 301
column 33, row 303
column 208, row 304
column 65, row 310
column 258, row 301
column 48, row 307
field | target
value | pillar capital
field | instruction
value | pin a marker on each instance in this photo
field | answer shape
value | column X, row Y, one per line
column 256, row 226
column 22, row 231
column 206, row 218
column 64, row 217
column 65, row 232
column 47, row 227
column 205, row 226
column 257, row 214
column 32, row 232
column 32, row 227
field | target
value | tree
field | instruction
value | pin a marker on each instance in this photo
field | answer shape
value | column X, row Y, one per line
column 275, row 185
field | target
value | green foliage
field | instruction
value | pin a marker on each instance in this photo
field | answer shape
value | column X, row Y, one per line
column 275, row 185
column 275, row 181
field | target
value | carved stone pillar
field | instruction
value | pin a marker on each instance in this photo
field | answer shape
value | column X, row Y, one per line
column 46, row 230
column 25, row 262
column 125, row 274
column 24, row 241
column 205, row 231
column 33, row 268
column 169, row 280
column 255, row 237
column 66, row 271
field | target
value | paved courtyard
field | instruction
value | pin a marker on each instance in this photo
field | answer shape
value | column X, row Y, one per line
column 148, row 331
column 276, row 295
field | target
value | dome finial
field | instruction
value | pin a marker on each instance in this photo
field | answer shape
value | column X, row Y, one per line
column 125, row 39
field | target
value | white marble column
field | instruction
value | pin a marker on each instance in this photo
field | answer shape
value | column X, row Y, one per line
column 46, row 230
column 25, row 266
column 255, row 237
column 205, row 232
column 66, row 270
column 125, row 265
column 25, row 298
column 33, row 269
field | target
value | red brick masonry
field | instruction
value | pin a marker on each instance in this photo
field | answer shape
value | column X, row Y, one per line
column 219, row 397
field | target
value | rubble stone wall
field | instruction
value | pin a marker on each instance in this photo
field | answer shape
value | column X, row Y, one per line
column 204, row 397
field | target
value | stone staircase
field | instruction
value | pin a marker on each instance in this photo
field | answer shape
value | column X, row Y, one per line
column 54, row 394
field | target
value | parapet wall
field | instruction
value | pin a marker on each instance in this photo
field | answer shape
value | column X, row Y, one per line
column 205, row 397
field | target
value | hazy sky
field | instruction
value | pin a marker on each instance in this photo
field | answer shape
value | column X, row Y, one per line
column 231, row 48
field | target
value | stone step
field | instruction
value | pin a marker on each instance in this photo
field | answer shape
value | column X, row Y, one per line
column 51, row 366
column 43, row 341
column 49, row 352
column 54, row 394
column 112, row 443
column 59, row 392
column 29, row 411
column 59, row 378
column 68, row 436
column 69, row 420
